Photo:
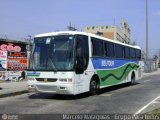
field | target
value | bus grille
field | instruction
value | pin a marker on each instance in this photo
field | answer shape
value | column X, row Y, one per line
column 48, row 79
column 47, row 88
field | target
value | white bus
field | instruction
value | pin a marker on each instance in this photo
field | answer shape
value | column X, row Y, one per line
column 73, row 62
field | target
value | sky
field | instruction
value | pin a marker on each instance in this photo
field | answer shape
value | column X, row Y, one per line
column 21, row 18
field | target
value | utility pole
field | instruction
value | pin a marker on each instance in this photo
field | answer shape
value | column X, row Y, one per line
column 147, row 30
column 148, row 62
column 29, row 39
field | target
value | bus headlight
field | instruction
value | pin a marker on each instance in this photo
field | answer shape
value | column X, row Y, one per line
column 70, row 80
column 66, row 80
column 63, row 80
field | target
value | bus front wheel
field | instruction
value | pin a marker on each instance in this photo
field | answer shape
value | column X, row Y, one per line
column 93, row 86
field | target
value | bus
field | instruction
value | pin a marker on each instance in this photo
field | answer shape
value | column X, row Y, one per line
column 73, row 62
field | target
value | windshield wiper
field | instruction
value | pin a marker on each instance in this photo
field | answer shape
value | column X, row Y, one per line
column 53, row 66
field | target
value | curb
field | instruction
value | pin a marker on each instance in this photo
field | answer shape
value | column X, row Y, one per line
column 13, row 93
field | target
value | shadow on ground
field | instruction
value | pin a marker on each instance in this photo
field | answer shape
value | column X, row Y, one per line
column 114, row 88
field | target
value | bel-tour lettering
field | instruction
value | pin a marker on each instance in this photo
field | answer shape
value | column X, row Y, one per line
column 10, row 47
column 107, row 63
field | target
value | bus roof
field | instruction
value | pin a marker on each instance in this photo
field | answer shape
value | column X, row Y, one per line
column 84, row 33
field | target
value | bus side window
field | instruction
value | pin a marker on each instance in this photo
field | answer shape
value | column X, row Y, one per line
column 138, row 54
column 105, row 49
column 119, row 51
column 97, row 47
column 126, row 52
column 132, row 53
column 110, row 50
column 82, row 52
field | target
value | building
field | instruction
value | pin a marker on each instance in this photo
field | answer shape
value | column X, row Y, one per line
column 112, row 32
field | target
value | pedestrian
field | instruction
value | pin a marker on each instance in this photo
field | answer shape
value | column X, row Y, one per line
column 23, row 75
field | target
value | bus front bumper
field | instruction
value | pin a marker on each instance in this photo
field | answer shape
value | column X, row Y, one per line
column 52, row 88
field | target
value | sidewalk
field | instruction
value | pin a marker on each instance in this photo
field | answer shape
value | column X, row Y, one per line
column 151, row 73
column 11, row 88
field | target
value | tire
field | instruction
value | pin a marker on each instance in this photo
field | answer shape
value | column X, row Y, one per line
column 133, row 79
column 93, row 87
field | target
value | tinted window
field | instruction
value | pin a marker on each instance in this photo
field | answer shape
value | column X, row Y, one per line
column 109, row 49
column 119, row 51
column 97, row 49
column 83, row 45
column 138, row 54
column 126, row 52
column 132, row 53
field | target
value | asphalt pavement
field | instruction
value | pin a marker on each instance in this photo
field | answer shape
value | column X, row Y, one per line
column 10, row 88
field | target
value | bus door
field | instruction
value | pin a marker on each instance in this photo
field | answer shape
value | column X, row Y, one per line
column 82, row 58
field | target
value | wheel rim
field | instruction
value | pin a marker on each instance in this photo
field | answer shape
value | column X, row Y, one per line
column 93, row 86
column 133, row 80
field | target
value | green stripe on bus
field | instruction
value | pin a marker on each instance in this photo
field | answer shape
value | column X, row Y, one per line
column 115, row 76
column 32, row 75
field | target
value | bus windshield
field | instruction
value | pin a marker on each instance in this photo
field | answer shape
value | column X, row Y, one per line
column 53, row 53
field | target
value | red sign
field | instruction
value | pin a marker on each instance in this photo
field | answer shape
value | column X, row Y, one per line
column 17, row 55
column 10, row 47
column 17, row 63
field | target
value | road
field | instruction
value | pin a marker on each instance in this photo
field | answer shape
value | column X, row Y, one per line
column 118, row 99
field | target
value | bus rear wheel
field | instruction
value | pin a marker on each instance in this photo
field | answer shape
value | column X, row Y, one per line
column 93, row 87
column 133, row 79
